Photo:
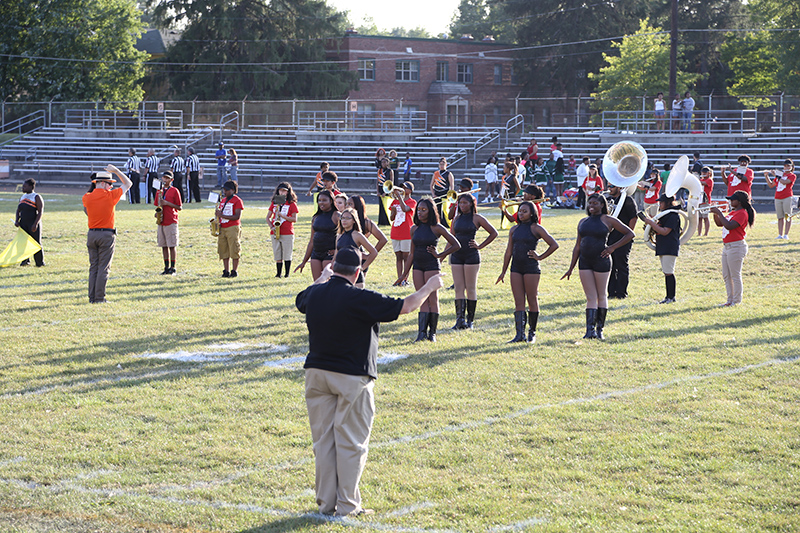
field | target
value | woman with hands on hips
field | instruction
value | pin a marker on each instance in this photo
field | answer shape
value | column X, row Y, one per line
column 525, row 271
column 593, row 257
column 425, row 235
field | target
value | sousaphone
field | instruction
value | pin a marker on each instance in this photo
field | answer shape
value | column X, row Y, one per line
column 624, row 166
column 680, row 178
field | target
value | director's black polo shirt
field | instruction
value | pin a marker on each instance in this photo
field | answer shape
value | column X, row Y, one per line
column 343, row 323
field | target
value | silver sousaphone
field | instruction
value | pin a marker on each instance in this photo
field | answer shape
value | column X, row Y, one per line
column 623, row 166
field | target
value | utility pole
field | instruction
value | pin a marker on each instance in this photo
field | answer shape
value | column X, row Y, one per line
column 673, row 50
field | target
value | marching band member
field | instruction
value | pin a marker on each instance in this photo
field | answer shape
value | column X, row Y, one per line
column 322, row 241
column 466, row 261
column 168, row 198
column 29, row 217
column 620, row 271
column 595, row 260
column 509, row 183
column 329, row 180
column 384, row 173
column 229, row 242
column 525, row 271
column 741, row 179
column 533, row 194
column 401, row 213
column 652, row 192
column 318, row 184
column 668, row 241
column 593, row 182
column 350, row 236
column 425, row 235
column 281, row 217
column 783, row 196
column 707, row 181
column 734, row 229
column 368, row 227
column 441, row 182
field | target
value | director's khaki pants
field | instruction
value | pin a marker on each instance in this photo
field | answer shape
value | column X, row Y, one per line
column 341, row 409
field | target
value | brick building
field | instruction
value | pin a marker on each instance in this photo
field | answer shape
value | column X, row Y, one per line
column 455, row 81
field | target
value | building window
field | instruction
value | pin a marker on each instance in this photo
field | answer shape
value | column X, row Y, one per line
column 514, row 76
column 406, row 71
column 366, row 69
column 442, row 71
column 464, row 73
column 498, row 74
column 406, row 109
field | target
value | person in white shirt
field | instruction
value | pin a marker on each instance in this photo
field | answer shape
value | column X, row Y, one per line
column 581, row 173
column 490, row 175
column 688, row 106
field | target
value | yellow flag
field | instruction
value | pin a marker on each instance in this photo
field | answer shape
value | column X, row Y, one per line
column 504, row 222
column 18, row 250
column 387, row 201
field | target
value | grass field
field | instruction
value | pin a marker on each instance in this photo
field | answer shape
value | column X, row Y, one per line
column 178, row 406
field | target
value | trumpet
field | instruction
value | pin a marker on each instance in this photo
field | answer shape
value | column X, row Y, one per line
column 388, row 187
column 159, row 215
column 723, row 205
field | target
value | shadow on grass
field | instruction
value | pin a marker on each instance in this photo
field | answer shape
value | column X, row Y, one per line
column 290, row 524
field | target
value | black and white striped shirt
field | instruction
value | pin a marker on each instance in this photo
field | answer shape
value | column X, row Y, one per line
column 193, row 163
column 133, row 164
column 152, row 163
column 177, row 165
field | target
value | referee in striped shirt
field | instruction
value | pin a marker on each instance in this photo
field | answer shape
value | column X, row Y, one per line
column 178, row 167
column 151, row 164
column 132, row 166
column 193, row 168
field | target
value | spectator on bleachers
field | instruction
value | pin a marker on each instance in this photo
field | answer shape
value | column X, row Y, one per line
column 233, row 161
column 688, row 107
column 660, row 111
column 533, row 151
column 677, row 109
column 407, row 167
column 221, row 160
column 571, row 166
column 554, row 143
column 558, row 176
column 394, row 164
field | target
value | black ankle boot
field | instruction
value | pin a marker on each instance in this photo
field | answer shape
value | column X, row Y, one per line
column 471, row 304
column 461, row 307
column 591, row 317
column 422, row 326
column 433, row 323
column 601, row 322
column 533, row 319
column 519, row 322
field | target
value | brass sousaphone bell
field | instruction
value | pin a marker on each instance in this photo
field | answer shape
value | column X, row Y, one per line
column 623, row 166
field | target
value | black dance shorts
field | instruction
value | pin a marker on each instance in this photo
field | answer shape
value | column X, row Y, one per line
column 596, row 263
column 529, row 266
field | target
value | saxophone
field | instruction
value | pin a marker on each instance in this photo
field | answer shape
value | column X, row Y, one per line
column 278, row 200
column 214, row 227
column 159, row 215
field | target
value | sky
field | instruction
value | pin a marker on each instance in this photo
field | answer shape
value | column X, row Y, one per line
column 433, row 15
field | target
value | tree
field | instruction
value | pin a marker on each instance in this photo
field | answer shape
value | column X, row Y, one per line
column 251, row 48
column 368, row 27
column 71, row 50
column 755, row 63
column 642, row 67
column 480, row 18
column 553, row 67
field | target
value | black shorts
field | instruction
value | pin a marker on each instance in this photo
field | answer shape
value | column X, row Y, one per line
column 321, row 256
column 470, row 256
column 531, row 266
column 427, row 266
column 596, row 264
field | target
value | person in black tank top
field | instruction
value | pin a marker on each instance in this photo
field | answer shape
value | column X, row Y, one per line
column 465, row 263
column 594, row 254
column 322, row 241
column 525, row 272
column 350, row 236
column 425, row 234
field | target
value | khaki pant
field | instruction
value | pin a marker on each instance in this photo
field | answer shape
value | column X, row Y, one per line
column 282, row 248
column 733, row 254
column 341, row 409
column 229, row 242
column 101, row 251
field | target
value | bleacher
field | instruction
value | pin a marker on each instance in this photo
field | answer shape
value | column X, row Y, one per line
column 66, row 156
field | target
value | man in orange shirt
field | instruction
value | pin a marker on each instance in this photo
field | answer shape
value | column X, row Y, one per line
column 99, row 204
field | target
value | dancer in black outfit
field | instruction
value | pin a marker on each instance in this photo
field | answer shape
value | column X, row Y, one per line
column 525, row 272
column 595, row 260
column 425, row 235
column 350, row 236
column 466, row 262
column 322, row 241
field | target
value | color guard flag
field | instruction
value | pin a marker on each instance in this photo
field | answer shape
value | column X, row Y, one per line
column 18, row 250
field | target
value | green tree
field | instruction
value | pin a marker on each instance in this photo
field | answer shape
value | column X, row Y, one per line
column 755, row 63
column 554, row 67
column 71, row 50
column 642, row 67
column 251, row 48
column 480, row 18
column 368, row 27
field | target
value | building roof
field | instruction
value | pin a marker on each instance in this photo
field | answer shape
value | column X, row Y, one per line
column 444, row 87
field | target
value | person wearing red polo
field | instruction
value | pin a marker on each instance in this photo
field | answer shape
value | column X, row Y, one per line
column 652, row 192
column 707, row 181
column 229, row 213
column 734, row 229
column 99, row 204
column 740, row 179
column 783, row 196
column 168, row 198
